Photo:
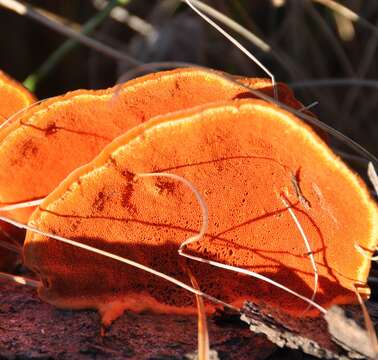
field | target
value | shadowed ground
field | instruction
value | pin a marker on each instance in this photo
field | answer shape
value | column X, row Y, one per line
column 31, row 329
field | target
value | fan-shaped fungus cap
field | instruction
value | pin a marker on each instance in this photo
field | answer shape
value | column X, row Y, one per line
column 46, row 143
column 242, row 156
column 13, row 97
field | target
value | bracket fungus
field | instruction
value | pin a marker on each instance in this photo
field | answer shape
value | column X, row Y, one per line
column 248, row 159
column 13, row 98
column 45, row 143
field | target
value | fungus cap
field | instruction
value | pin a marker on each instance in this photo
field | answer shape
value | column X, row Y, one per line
column 44, row 144
column 242, row 157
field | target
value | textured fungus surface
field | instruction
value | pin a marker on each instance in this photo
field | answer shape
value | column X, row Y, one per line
column 43, row 145
column 243, row 157
column 13, row 97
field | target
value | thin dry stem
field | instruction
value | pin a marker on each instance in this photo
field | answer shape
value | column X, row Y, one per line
column 348, row 14
column 202, row 233
column 235, row 42
column 21, row 205
column 203, row 333
column 21, row 280
column 31, row 12
column 255, row 275
column 233, row 25
column 366, row 253
column 123, row 16
column 336, row 47
column 372, row 174
column 308, row 247
column 355, row 93
column 309, row 106
column 199, row 198
column 10, row 246
column 21, row 111
column 286, row 62
column 334, row 82
column 117, row 258
column 369, row 325
column 345, row 27
column 358, row 160
column 308, row 118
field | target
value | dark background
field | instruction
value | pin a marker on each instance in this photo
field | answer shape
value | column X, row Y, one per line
column 311, row 39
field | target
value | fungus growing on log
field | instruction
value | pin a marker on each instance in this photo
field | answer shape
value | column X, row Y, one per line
column 44, row 144
column 244, row 157
column 13, row 98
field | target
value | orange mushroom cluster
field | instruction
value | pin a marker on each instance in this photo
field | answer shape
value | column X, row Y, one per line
column 246, row 157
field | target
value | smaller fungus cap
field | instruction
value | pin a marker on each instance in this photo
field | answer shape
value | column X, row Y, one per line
column 13, row 97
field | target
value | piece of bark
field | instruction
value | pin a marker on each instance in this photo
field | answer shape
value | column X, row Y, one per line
column 32, row 329
column 311, row 334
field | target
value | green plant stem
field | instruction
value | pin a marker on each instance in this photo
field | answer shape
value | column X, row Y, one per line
column 32, row 81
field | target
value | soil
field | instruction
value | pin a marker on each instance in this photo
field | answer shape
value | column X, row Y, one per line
column 32, row 329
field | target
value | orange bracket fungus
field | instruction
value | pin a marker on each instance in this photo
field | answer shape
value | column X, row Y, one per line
column 55, row 137
column 13, row 98
column 241, row 157
column 191, row 165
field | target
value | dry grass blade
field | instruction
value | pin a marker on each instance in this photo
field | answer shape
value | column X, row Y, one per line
column 286, row 62
column 354, row 93
column 255, row 275
column 199, row 199
column 345, row 27
column 11, row 247
column 29, row 11
column 201, row 234
column 366, row 253
column 312, row 120
column 123, row 16
column 235, row 42
column 20, row 112
column 334, row 82
column 21, row 205
column 32, row 81
column 360, row 161
column 203, row 333
column 373, row 177
column 117, row 258
column 308, row 118
column 369, row 325
column 336, row 47
column 309, row 106
column 308, row 247
column 233, row 25
column 20, row 280
column 348, row 14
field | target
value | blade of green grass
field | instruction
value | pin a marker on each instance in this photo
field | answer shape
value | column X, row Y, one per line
column 32, row 81
column 56, row 25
